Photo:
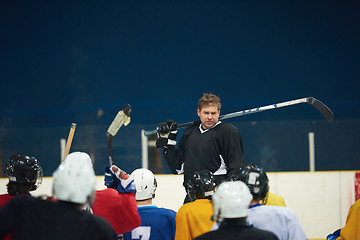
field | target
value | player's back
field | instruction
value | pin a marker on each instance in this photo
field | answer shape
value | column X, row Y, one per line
column 236, row 230
column 280, row 220
column 194, row 219
column 29, row 217
column 156, row 223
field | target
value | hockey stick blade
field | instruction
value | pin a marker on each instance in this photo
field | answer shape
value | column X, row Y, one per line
column 121, row 118
column 325, row 111
column 322, row 108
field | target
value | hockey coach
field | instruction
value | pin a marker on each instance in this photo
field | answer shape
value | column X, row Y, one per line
column 209, row 144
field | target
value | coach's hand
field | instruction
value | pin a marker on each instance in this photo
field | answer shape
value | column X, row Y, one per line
column 167, row 132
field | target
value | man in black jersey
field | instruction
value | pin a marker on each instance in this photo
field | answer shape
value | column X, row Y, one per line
column 210, row 144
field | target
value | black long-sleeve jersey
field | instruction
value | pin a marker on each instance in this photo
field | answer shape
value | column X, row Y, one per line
column 33, row 218
column 219, row 150
column 234, row 229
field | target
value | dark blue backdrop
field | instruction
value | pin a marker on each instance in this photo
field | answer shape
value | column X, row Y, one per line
column 81, row 61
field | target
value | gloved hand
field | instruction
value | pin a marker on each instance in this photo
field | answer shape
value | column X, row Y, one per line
column 109, row 181
column 167, row 132
column 334, row 235
column 118, row 179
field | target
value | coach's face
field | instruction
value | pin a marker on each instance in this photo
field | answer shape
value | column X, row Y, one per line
column 209, row 116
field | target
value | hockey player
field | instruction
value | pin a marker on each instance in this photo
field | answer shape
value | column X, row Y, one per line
column 351, row 230
column 74, row 180
column 25, row 175
column 156, row 223
column 280, row 220
column 270, row 198
column 209, row 144
column 231, row 203
column 117, row 202
column 194, row 218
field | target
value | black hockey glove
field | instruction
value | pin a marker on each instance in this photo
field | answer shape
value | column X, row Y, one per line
column 167, row 132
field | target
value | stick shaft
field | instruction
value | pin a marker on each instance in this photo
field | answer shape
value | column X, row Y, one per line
column 264, row 108
column 109, row 139
column 69, row 140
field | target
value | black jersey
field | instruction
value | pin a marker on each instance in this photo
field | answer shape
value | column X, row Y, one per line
column 219, row 150
column 33, row 218
column 236, row 230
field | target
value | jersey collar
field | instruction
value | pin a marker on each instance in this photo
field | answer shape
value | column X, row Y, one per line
column 146, row 206
column 203, row 131
column 255, row 205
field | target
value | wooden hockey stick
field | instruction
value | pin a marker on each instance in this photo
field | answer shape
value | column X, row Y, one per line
column 122, row 118
column 322, row 108
column 69, row 141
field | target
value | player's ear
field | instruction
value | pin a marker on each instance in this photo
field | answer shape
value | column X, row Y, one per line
column 198, row 112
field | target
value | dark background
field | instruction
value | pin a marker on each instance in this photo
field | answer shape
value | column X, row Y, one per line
column 81, row 61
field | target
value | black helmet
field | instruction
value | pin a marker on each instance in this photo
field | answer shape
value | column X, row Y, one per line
column 201, row 185
column 254, row 177
column 24, row 170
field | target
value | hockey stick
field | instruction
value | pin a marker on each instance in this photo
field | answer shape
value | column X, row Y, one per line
column 122, row 118
column 69, row 141
column 322, row 108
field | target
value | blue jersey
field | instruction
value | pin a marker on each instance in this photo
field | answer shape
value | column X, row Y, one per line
column 156, row 223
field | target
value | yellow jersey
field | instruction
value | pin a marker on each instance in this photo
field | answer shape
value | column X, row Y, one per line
column 194, row 219
column 352, row 226
column 274, row 200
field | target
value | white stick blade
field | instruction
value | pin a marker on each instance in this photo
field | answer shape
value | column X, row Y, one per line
column 118, row 121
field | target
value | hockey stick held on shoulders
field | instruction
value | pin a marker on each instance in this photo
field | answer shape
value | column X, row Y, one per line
column 321, row 107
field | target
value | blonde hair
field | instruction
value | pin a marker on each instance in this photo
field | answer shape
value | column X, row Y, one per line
column 209, row 99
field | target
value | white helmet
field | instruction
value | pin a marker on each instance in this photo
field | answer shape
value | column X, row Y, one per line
column 145, row 183
column 74, row 180
column 231, row 200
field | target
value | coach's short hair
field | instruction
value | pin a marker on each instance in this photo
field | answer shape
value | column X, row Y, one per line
column 209, row 99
